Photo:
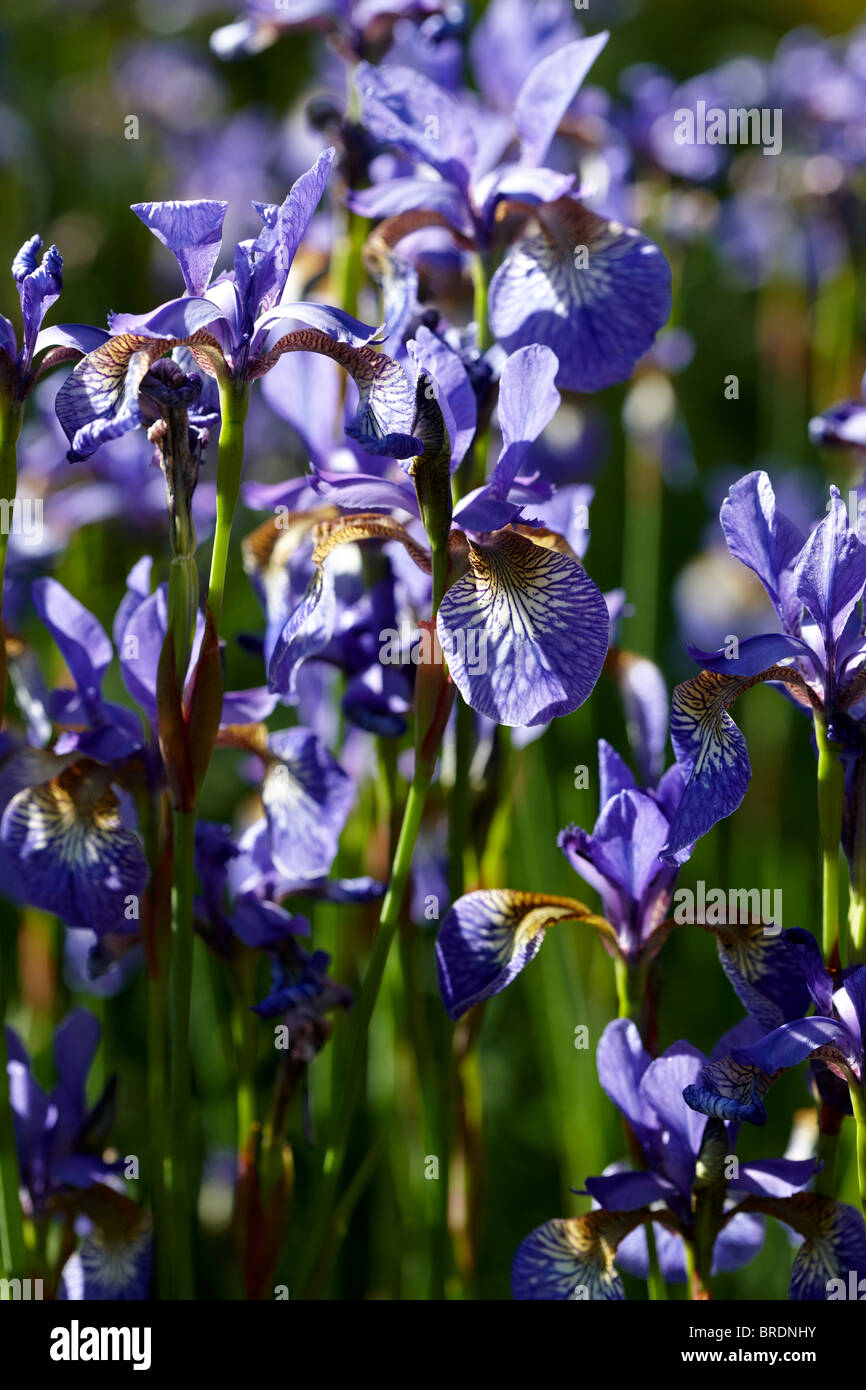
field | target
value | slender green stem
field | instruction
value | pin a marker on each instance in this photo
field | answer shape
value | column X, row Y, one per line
column 656, row 1287
column 10, row 428
column 157, row 1091
column 631, row 988
column 858, row 1105
column 480, row 286
column 642, row 544
column 827, row 1151
column 234, row 403
column 12, row 1248
column 458, row 799
column 857, row 897
column 361, row 1015
column 831, row 791
column 180, row 1181
column 246, row 1046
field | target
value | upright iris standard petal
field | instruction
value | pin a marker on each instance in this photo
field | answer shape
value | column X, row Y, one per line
column 592, row 290
column 82, row 640
column 409, row 112
column 763, row 538
column 712, row 754
column 489, row 936
column 831, row 571
column 524, row 633
column 192, row 231
column 72, row 852
column 453, row 389
column 528, row 401
column 307, row 798
column 548, row 91
column 574, row 1259
column 39, row 285
column 276, row 245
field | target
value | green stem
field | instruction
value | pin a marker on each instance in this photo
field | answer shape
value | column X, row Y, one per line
column 831, row 791
column 656, row 1287
column 361, row 1015
column 246, row 1046
column 458, row 799
column 857, row 897
column 234, row 403
column 157, row 1014
column 631, row 988
column 180, row 1100
column 10, row 428
column 827, row 1151
column 12, row 1249
column 858, row 1105
column 642, row 544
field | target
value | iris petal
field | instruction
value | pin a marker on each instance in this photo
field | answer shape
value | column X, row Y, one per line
column 574, row 1259
column 192, row 231
column 72, row 852
column 834, row 1244
column 307, row 798
column 711, row 752
column 488, row 937
column 524, row 633
column 599, row 313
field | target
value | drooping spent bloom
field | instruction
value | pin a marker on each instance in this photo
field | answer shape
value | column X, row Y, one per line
column 684, row 1185
column 815, row 585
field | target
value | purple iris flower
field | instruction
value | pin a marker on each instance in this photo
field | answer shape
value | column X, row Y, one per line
column 523, row 628
column 487, row 937
column 835, row 1035
column 685, row 1180
column 236, row 326
column 815, row 585
column 843, row 424
column 59, row 1137
column 590, row 289
column 619, row 857
column 356, row 22
column 278, row 558
column 240, row 903
column 60, row 1140
column 39, row 284
column 69, row 840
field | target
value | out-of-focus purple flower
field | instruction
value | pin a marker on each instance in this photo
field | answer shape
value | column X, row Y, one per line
column 843, row 425
column 590, row 289
column 358, row 23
